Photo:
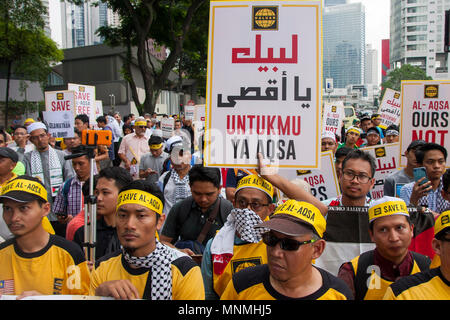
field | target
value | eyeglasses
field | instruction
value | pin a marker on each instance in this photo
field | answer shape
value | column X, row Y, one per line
column 285, row 243
column 349, row 176
column 256, row 206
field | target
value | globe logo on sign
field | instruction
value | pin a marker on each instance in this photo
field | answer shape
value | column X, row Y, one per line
column 265, row 18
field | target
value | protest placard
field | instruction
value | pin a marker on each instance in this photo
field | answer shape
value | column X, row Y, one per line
column 264, row 84
column 85, row 100
column 60, row 124
column 333, row 114
column 390, row 108
column 167, row 127
column 60, row 101
column 425, row 113
column 386, row 161
column 324, row 182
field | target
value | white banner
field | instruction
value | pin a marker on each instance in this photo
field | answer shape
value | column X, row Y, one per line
column 60, row 124
column 324, row 182
column 390, row 108
column 425, row 113
column 189, row 112
column 387, row 162
column 60, row 101
column 167, row 127
column 85, row 100
column 264, row 84
column 333, row 115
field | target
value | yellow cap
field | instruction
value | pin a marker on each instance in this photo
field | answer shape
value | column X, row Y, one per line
column 30, row 120
column 442, row 223
column 23, row 190
column 140, row 123
column 387, row 206
column 255, row 181
column 289, row 216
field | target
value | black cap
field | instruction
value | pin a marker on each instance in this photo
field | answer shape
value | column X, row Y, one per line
column 372, row 130
column 365, row 117
column 415, row 144
column 155, row 140
column 24, row 195
column 6, row 152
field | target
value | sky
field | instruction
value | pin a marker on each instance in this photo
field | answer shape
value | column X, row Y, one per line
column 377, row 23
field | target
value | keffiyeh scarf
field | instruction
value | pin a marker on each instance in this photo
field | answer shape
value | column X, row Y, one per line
column 159, row 261
column 182, row 188
column 55, row 168
column 241, row 221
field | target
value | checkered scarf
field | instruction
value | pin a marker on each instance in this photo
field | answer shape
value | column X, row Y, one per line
column 241, row 221
column 159, row 261
column 182, row 188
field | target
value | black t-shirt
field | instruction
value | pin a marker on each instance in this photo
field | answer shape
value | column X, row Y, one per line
column 185, row 220
column 106, row 239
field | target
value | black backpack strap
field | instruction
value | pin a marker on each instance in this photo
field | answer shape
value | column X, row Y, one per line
column 166, row 178
column 361, row 276
column 422, row 261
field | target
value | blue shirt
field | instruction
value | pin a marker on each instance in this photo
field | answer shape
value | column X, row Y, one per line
column 433, row 200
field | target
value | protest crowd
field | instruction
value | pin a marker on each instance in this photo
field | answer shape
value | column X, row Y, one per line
column 169, row 227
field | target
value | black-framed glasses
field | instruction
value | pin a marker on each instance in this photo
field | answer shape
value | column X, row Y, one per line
column 285, row 243
column 256, row 206
column 350, row 175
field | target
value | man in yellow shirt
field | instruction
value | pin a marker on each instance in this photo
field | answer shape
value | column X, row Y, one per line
column 293, row 240
column 35, row 262
column 433, row 284
column 145, row 268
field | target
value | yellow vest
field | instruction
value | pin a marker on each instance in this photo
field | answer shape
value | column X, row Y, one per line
column 375, row 285
column 244, row 255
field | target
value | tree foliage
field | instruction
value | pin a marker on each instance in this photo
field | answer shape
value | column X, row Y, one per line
column 25, row 50
column 179, row 25
column 406, row 72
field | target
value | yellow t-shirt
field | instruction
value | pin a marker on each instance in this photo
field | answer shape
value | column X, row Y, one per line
column 427, row 285
column 253, row 283
column 187, row 282
column 58, row 268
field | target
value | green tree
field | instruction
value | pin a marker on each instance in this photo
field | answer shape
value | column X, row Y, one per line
column 406, row 72
column 179, row 25
column 25, row 50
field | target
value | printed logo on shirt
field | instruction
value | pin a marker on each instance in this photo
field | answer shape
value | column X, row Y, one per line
column 57, row 285
column 240, row 264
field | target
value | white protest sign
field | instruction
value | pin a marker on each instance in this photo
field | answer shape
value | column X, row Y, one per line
column 60, row 123
column 60, row 101
column 324, row 182
column 390, row 108
column 98, row 108
column 264, row 84
column 333, row 115
column 167, row 127
column 425, row 113
column 85, row 100
column 386, row 161
column 200, row 112
column 189, row 112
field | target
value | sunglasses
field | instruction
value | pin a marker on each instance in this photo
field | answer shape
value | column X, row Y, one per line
column 285, row 243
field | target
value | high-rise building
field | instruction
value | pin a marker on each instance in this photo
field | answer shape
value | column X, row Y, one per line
column 71, row 25
column 371, row 67
column 344, row 44
column 417, row 35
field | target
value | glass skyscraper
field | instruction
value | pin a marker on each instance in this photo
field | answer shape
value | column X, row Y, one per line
column 344, row 44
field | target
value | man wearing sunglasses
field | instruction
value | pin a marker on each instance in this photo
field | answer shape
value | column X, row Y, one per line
column 433, row 284
column 294, row 239
column 238, row 244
